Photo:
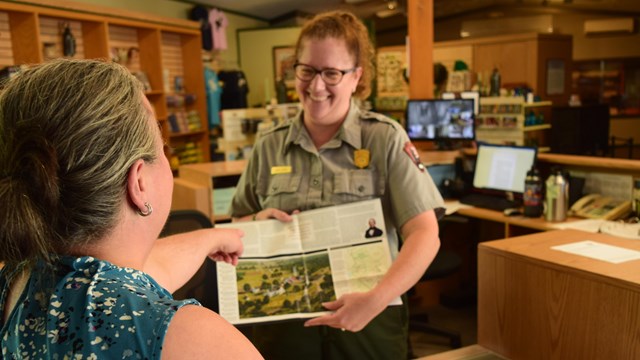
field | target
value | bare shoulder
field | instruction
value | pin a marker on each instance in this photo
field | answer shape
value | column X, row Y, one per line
column 196, row 332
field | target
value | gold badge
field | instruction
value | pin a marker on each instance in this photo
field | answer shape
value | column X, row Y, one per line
column 361, row 158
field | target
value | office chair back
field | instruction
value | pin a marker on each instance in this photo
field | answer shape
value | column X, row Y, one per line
column 444, row 264
column 180, row 221
column 203, row 285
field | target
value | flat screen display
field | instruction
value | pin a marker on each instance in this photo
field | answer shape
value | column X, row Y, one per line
column 503, row 167
column 440, row 119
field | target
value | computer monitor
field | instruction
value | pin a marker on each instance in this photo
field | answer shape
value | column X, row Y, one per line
column 503, row 168
column 440, row 119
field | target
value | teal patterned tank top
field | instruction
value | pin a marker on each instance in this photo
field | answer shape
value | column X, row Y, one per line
column 85, row 308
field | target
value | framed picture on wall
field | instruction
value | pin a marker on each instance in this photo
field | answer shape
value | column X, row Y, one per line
column 283, row 60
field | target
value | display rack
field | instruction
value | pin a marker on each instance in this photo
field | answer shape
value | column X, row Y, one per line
column 160, row 51
column 391, row 85
column 512, row 121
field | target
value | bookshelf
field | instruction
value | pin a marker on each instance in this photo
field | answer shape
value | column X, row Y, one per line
column 511, row 120
column 162, row 49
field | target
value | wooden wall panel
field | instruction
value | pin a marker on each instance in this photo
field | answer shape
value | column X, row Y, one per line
column 172, row 58
column 121, row 40
column 6, row 52
column 96, row 38
column 25, row 37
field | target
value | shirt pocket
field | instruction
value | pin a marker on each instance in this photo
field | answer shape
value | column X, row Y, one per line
column 280, row 192
column 355, row 185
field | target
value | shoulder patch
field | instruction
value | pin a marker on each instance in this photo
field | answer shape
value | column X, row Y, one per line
column 410, row 150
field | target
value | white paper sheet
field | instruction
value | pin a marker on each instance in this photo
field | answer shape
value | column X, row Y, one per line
column 615, row 228
column 628, row 231
column 588, row 225
column 599, row 251
column 453, row 206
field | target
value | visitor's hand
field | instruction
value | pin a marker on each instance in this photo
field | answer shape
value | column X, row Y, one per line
column 273, row 213
column 227, row 245
column 351, row 312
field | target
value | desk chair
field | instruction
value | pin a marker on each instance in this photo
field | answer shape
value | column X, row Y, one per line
column 203, row 285
column 444, row 264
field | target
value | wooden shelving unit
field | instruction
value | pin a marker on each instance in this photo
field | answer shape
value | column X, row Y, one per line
column 503, row 120
column 161, row 48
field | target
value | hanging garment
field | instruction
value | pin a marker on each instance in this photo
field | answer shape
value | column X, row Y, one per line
column 201, row 14
column 214, row 93
column 219, row 23
column 234, row 89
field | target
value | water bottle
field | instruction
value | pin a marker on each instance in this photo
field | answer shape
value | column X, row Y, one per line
column 557, row 196
column 532, row 197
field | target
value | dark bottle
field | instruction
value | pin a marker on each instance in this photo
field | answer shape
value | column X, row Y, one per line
column 532, row 197
column 281, row 91
column 495, row 83
column 68, row 42
column 635, row 201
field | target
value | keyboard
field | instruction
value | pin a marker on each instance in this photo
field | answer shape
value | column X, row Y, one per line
column 488, row 202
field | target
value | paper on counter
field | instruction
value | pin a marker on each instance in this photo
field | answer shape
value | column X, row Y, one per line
column 625, row 230
column 453, row 206
column 599, row 251
column 615, row 228
column 588, row 225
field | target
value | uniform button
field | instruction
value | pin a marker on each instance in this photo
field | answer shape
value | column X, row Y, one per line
column 316, row 181
column 361, row 188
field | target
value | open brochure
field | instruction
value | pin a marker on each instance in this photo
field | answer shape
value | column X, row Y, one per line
column 289, row 269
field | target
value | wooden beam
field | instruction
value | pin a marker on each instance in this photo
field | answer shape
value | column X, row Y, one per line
column 420, row 13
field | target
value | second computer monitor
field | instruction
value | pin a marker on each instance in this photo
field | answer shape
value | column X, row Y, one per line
column 503, row 168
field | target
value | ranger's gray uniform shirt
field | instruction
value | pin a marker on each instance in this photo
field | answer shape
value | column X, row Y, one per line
column 328, row 176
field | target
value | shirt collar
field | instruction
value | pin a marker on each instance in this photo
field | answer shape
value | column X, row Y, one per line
column 350, row 132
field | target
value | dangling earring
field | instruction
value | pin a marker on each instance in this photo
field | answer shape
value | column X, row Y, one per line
column 148, row 212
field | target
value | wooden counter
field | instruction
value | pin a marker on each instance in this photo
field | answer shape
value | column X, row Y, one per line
column 538, row 303
column 195, row 181
column 510, row 221
column 205, row 173
column 193, row 189
column 429, row 158
column 586, row 163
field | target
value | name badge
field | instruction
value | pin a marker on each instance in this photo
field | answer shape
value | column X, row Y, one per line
column 275, row 170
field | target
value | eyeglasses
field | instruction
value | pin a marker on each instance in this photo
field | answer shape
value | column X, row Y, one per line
column 330, row 76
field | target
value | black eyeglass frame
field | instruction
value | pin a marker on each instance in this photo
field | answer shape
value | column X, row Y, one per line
column 321, row 72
